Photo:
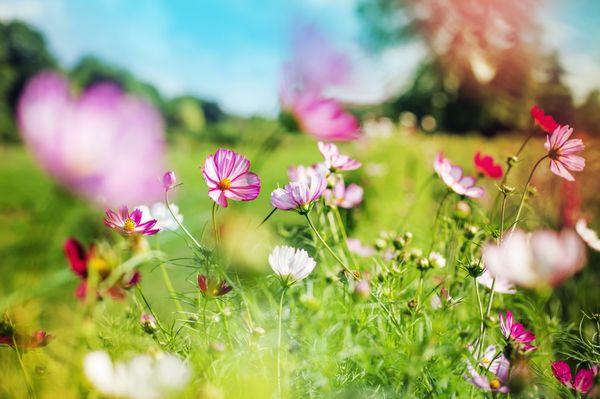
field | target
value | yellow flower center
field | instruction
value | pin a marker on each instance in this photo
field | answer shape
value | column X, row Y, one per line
column 129, row 225
column 485, row 360
column 99, row 265
column 494, row 384
column 224, row 184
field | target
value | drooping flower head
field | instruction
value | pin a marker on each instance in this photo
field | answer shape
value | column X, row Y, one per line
column 105, row 145
column 544, row 257
column 452, row 176
column 212, row 287
column 334, row 161
column 227, row 176
column 342, row 196
column 291, row 264
column 545, row 122
column 583, row 380
column 516, row 333
column 486, row 166
column 299, row 196
column 130, row 224
column 588, row 235
column 561, row 152
column 497, row 365
column 82, row 261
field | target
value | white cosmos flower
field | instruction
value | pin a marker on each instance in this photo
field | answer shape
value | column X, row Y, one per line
column 437, row 260
column 544, row 257
column 501, row 285
column 588, row 235
column 142, row 377
column 291, row 264
column 160, row 212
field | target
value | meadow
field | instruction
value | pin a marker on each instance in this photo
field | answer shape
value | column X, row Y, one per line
column 407, row 331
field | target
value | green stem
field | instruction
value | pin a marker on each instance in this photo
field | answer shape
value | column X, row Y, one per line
column 214, row 222
column 337, row 258
column 30, row 390
column 482, row 317
column 200, row 247
column 279, row 342
column 435, row 221
column 267, row 218
column 525, row 192
column 169, row 285
column 139, row 290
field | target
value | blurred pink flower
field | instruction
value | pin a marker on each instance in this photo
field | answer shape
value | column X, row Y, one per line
column 487, row 167
column 452, row 176
column 299, row 196
column 501, row 285
column 541, row 258
column 583, row 381
column 357, row 247
column 334, row 161
column 588, row 235
column 499, row 367
column 561, row 152
column 303, row 173
column 546, row 122
column 104, row 145
column 227, row 176
column 342, row 196
column 516, row 332
column 169, row 180
column 129, row 224
column 212, row 287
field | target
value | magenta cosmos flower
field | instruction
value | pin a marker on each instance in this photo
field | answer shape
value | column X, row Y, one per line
column 299, row 196
column 486, row 166
column 544, row 121
column 104, row 145
column 583, row 381
column 227, row 176
column 452, row 176
column 334, row 161
column 344, row 197
column 516, row 333
column 130, row 224
column 561, row 152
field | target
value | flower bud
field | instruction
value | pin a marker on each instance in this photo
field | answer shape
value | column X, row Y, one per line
column 169, row 180
column 148, row 322
column 511, row 161
column 437, row 260
column 506, row 189
column 462, row 210
column 471, row 231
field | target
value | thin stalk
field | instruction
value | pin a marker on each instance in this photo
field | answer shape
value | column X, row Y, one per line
column 139, row 290
column 279, row 341
column 482, row 324
column 267, row 218
column 420, row 191
column 191, row 237
column 204, row 321
column 225, row 324
column 342, row 228
column 337, row 258
column 30, row 390
column 214, row 222
column 435, row 221
column 170, row 288
column 525, row 192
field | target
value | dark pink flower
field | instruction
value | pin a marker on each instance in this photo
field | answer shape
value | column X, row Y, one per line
column 453, row 177
column 546, row 122
column 486, row 166
column 129, row 224
column 334, row 161
column 212, row 288
column 516, row 332
column 561, row 152
column 299, row 196
column 105, row 145
column 227, row 176
column 169, row 180
column 342, row 196
column 583, row 381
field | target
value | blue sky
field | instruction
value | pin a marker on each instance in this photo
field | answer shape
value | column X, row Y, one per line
column 231, row 50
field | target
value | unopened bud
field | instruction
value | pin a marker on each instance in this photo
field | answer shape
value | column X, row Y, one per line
column 462, row 210
column 507, row 189
column 362, row 290
column 148, row 322
column 511, row 161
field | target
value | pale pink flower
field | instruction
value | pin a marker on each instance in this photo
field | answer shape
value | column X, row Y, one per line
column 499, row 368
column 334, row 161
column 169, row 180
column 561, row 152
column 588, row 235
column 303, row 173
column 129, row 224
column 583, row 380
column 357, row 247
column 452, row 176
column 104, row 145
column 541, row 258
column 501, row 285
column 227, row 176
column 299, row 196
column 342, row 196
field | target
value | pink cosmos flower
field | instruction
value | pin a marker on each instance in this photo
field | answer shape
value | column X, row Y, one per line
column 303, row 173
column 104, row 145
column 516, row 333
column 452, row 176
column 544, row 257
column 227, row 176
column 81, row 260
column 561, row 152
column 299, row 196
column 357, row 247
column 487, row 167
column 583, row 381
column 211, row 287
column 334, row 161
column 344, row 197
column 499, row 367
column 129, row 224
column 546, row 122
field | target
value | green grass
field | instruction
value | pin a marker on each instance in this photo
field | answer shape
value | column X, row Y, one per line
column 335, row 345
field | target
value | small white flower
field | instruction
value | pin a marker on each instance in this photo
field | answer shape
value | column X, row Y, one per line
column 437, row 260
column 588, row 235
column 142, row 377
column 160, row 212
column 291, row 264
column 501, row 285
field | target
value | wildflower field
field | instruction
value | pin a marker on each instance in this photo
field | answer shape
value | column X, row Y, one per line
column 438, row 239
